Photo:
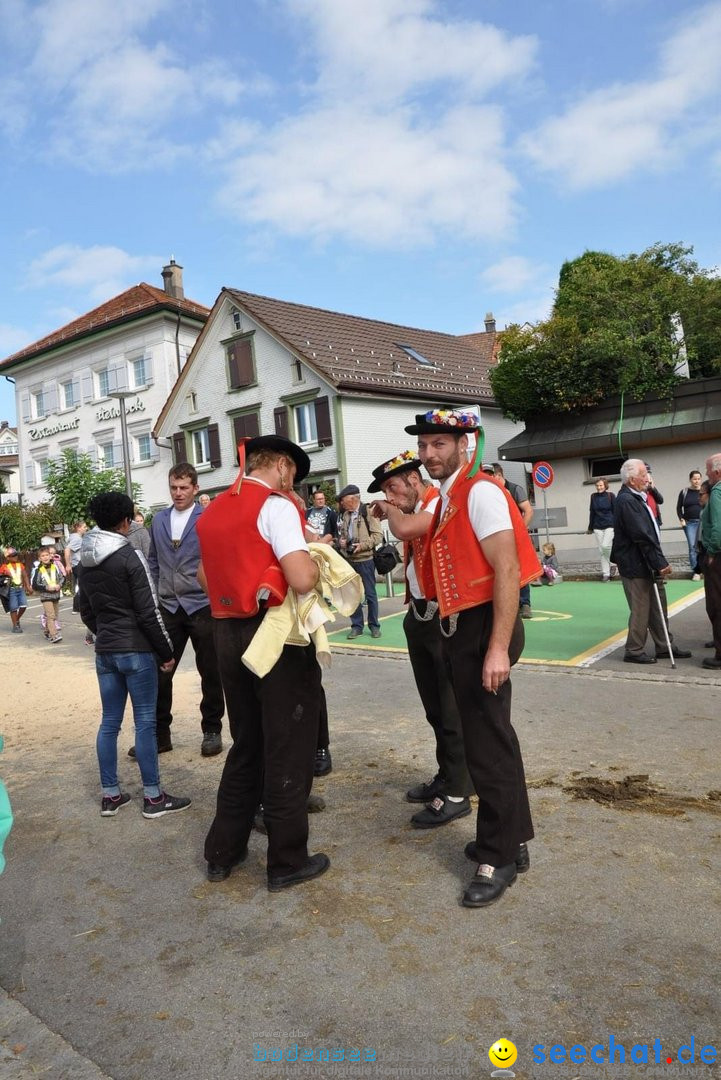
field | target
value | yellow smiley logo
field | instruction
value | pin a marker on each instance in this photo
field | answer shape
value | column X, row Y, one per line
column 502, row 1054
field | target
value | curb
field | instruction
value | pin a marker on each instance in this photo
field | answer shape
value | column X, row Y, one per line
column 30, row 1049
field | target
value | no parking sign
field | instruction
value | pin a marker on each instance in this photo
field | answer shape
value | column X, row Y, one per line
column 542, row 474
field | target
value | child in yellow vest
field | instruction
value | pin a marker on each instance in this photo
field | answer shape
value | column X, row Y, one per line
column 19, row 585
column 48, row 581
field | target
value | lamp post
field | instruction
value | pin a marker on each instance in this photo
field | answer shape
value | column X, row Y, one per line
column 120, row 396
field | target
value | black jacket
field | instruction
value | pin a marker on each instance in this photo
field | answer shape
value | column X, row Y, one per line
column 117, row 597
column 601, row 510
column 636, row 549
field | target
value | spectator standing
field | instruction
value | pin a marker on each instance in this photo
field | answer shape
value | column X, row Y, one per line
column 322, row 520
column 711, row 541
column 600, row 523
column 641, row 563
column 688, row 510
column 654, row 497
column 204, row 501
column 359, row 535
column 18, row 587
column 119, row 606
column 174, row 558
column 47, row 581
column 72, row 554
column 520, row 497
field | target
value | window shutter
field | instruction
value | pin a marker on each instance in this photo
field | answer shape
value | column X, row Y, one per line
column 29, row 475
column 76, row 392
column 88, row 388
column 25, row 407
column 148, row 370
column 179, row 450
column 280, row 416
column 246, row 426
column 50, row 391
column 240, row 363
column 118, row 455
column 214, row 445
column 322, row 422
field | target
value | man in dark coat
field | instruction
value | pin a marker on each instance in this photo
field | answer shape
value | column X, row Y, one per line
column 641, row 563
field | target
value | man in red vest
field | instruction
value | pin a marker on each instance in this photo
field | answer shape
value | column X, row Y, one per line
column 252, row 550
column 479, row 556
column 409, row 506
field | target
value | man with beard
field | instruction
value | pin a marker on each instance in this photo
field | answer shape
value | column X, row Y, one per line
column 480, row 555
column 409, row 508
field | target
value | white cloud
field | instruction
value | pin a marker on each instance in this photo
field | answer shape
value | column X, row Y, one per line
column 13, row 338
column 385, row 49
column 515, row 273
column 114, row 95
column 644, row 124
column 377, row 180
column 396, row 143
column 100, row 272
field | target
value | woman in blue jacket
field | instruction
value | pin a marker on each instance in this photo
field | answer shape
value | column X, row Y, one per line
column 600, row 523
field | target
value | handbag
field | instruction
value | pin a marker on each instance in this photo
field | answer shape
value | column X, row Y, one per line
column 386, row 558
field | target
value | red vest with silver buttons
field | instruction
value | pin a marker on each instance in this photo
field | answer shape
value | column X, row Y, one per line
column 457, row 573
column 420, row 546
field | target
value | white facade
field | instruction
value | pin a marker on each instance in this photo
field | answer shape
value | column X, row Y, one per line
column 63, row 402
column 362, row 430
column 9, row 469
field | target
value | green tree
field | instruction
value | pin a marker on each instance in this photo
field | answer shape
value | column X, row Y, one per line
column 22, row 527
column 612, row 330
column 72, row 481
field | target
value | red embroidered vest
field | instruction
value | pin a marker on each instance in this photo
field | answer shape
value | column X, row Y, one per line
column 420, row 546
column 457, row 571
column 237, row 561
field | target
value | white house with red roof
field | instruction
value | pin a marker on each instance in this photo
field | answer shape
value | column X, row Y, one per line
column 136, row 343
column 342, row 386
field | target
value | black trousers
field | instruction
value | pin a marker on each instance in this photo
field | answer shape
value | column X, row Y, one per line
column 198, row 629
column 712, row 584
column 274, row 721
column 492, row 750
column 425, row 650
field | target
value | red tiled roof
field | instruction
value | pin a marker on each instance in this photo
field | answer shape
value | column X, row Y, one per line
column 139, row 300
column 358, row 354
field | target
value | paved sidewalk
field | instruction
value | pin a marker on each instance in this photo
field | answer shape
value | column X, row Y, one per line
column 119, row 960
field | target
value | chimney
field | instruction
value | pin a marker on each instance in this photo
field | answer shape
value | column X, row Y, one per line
column 490, row 322
column 173, row 280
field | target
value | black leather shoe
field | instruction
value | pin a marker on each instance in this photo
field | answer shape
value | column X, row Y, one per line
column 323, row 763
column 316, row 865
column 212, row 744
column 354, row 633
column 440, row 812
column 315, row 804
column 678, row 654
column 489, row 884
column 639, row 658
column 163, row 748
column 711, row 662
column 216, row 872
column 375, row 631
column 523, row 858
column 709, row 644
column 425, row 792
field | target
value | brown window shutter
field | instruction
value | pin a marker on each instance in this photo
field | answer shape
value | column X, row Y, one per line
column 322, row 422
column 214, row 445
column 246, row 426
column 240, row 363
column 179, row 451
column 280, row 416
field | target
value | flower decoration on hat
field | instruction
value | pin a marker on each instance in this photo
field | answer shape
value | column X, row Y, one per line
column 405, row 458
column 452, row 418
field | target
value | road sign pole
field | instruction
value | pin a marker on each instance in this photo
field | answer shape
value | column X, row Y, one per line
column 545, row 514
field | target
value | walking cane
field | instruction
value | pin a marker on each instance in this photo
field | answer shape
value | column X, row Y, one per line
column 663, row 621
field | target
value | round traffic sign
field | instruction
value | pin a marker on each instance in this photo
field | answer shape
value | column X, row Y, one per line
column 542, row 474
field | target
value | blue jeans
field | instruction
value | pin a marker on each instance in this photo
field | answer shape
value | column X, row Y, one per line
column 691, row 530
column 525, row 596
column 120, row 674
column 367, row 571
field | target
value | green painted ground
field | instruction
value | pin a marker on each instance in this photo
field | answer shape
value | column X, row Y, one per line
column 570, row 621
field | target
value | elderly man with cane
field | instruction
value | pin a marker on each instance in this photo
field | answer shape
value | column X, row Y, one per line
column 643, row 568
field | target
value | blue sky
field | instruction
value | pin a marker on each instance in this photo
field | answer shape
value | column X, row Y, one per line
column 417, row 161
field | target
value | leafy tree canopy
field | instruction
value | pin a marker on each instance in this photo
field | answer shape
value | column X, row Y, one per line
column 614, row 328
column 23, row 526
column 72, row 481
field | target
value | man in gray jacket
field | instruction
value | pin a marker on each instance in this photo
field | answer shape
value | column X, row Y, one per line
column 173, row 560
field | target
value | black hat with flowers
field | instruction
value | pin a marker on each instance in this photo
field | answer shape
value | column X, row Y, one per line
column 406, row 461
column 444, row 422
